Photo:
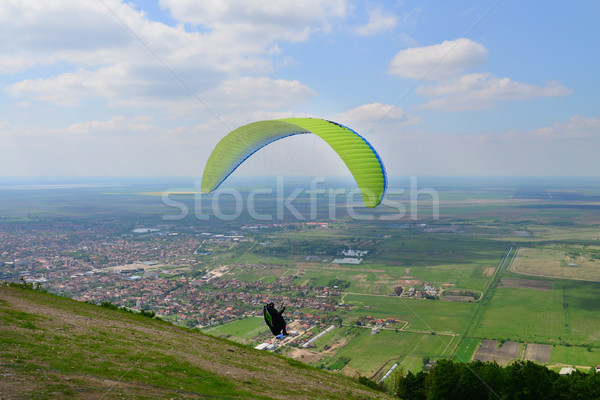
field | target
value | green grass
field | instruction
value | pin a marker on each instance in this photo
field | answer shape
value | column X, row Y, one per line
column 368, row 352
column 574, row 355
column 566, row 314
column 464, row 276
column 70, row 353
column 466, row 350
column 239, row 330
column 251, row 258
column 361, row 279
column 267, row 275
column 582, row 308
column 75, row 347
column 329, row 338
column 422, row 315
column 545, row 232
column 523, row 315
column 423, row 249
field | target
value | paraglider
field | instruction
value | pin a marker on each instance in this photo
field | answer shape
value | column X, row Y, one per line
column 274, row 320
column 359, row 156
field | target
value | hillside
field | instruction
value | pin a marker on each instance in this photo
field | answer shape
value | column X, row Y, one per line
column 51, row 347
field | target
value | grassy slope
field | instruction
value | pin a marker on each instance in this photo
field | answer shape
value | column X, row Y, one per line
column 55, row 347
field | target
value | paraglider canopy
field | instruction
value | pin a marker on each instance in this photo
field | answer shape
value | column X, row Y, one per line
column 359, row 156
column 274, row 320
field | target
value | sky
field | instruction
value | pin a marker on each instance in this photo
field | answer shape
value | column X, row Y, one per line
column 147, row 88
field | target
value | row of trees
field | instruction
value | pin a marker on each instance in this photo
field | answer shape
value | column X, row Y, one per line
column 526, row 380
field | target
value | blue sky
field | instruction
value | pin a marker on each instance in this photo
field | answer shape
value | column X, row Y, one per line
column 113, row 88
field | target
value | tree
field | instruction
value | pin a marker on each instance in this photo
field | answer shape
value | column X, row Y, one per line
column 529, row 381
column 410, row 386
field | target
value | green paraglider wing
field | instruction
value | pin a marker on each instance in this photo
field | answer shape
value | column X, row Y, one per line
column 359, row 156
column 268, row 317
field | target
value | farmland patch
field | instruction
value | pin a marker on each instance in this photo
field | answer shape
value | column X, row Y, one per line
column 538, row 352
column 490, row 351
column 526, row 284
column 568, row 262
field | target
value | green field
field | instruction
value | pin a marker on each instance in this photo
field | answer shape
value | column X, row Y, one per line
column 241, row 330
column 422, row 315
column 479, row 221
column 331, row 337
column 582, row 302
column 576, row 356
column 359, row 278
column 462, row 276
column 267, row 274
column 421, row 249
column 523, row 315
column 466, row 349
column 251, row 258
column 369, row 352
column 567, row 313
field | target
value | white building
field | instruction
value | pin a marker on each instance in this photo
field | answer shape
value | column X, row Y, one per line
column 567, row 370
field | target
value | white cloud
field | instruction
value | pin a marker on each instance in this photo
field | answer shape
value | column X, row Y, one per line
column 44, row 32
column 116, row 124
column 239, row 96
column 68, row 89
column 374, row 116
column 378, row 22
column 439, row 61
column 453, row 90
column 483, row 90
column 576, row 127
column 144, row 62
column 101, row 56
column 161, row 91
column 259, row 21
column 261, row 92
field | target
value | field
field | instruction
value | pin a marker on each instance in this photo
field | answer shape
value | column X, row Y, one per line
column 466, row 350
column 523, row 315
column 490, row 350
column 538, row 352
column 525, row 284
column 381, row 279
column 422, row 315
column 369, row 352
column 581, row 303
column 539, row 299
column 565, row 313
column 549, row 295
column 566, row 262
column 241, row 330
column 576, row 356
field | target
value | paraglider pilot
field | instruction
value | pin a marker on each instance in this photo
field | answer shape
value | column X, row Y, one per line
column 275, row 320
